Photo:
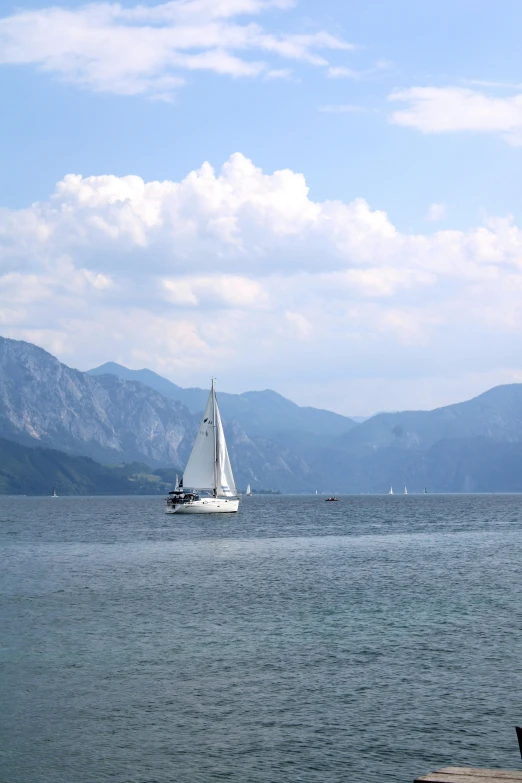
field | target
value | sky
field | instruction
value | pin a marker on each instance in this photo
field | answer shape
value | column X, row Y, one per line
column 319, row 198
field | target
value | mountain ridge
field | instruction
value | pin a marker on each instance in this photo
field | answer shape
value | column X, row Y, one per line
column 470, row 445
column 266, row 413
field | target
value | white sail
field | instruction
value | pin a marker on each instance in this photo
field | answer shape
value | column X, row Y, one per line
column 248, row 490
column 200, row 472
column 391, row 491
column 226, row 486
column 405, row 490
column 209, row 464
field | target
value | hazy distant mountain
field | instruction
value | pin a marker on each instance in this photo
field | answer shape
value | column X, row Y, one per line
column 263, row 413
column 496, row 414
column 452, row 465
column 469, row 446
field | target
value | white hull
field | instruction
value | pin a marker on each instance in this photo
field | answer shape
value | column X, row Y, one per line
column 206, row 506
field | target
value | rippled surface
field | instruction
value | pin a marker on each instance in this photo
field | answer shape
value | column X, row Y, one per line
column 365, row 641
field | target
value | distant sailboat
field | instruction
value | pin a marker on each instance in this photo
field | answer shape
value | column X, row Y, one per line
column 54, row 495
column 208, row 471
column 425, row 491
column 248, row 490
column 391, row 491
column 405, row 490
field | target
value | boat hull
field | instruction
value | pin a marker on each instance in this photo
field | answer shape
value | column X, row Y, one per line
column 206, row 506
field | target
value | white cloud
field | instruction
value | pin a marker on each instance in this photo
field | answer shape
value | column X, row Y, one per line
column 447, row 109
column 280, row 73
column 297, row 325
column 341, row 72
column 216, row 292
column 242, row 270
column 146, row 50
column 496, row 85
column 437, row 212
column 342, row 108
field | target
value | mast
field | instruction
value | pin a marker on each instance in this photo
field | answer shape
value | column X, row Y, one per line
column 215, row 439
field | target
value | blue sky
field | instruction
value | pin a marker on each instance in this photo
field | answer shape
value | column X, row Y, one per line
column 392, row 282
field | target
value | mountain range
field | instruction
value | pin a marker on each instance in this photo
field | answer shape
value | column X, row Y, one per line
column 119, row 416
column 260, row 413
column 113, row 419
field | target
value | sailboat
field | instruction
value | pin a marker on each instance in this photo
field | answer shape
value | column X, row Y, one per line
column 405, row 490
column 391, row 491
column 54, row 495
column 248, row 490
column 207, row 485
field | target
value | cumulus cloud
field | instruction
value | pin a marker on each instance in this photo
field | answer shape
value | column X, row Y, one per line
column 146, row 50
column 447, row 109
column 239, row 269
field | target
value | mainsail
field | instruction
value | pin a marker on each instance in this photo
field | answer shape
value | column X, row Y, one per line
column 209, row 464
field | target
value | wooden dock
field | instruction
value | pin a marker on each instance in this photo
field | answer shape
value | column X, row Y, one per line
column 470, row 775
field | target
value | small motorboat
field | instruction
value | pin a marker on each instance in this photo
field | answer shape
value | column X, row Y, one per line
column 330, row 500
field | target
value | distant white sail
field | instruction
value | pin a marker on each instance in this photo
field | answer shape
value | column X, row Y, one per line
column 405, row 490
column 391, row 491
column 248, row 490
column 200, row 472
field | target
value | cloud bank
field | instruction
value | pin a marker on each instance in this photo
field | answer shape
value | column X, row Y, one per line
column 241, row 273
column 147, row 50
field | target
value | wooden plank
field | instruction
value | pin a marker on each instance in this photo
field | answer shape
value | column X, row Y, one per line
column 471, row 775
column 510, row 774
column 452, row 778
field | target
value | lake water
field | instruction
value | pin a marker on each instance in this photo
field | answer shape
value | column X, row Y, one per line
column 368, row 640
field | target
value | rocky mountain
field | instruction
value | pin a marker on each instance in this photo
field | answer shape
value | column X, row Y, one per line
column 43, row 402
column 260, row 413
